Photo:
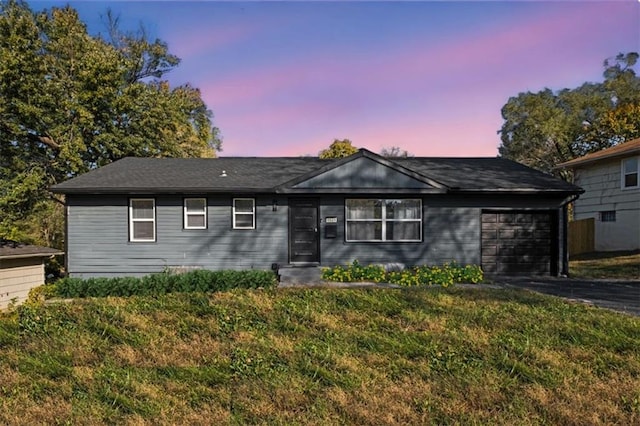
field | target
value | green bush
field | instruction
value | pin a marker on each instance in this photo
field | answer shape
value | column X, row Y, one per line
column 162, row 283
column 445, row 275
column 41, row 293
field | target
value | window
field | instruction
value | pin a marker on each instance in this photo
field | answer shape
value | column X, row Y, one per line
column 195, row 213
column 608, row 216
column 142, row 219
column 244, row 213
column 383, row 220
column 630, row 173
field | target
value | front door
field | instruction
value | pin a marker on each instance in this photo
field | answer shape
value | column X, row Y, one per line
column 304, row 244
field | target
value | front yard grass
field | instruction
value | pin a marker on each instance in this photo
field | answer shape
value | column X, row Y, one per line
column 615, row 265
column 321, row 356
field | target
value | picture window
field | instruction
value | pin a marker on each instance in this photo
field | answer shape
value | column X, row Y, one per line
column 379, row 220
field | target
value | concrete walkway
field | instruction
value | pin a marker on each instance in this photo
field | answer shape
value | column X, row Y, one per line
column 619, row 295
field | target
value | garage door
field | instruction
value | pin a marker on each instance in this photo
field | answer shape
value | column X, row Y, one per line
column 518, row 243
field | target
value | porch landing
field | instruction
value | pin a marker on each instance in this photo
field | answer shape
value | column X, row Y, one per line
column 310, row 276
column 291, row 276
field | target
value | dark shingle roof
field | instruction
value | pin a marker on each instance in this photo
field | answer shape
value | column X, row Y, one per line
column 266, row 174
column 13, row 249
column 474, row 174
column 191, row 174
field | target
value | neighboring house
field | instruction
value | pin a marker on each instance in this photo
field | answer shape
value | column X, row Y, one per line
column 611, row 180
column 142, row 215
column 21, row 269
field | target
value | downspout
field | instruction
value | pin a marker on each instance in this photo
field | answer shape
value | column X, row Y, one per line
column 565, row 235
column 66, row 236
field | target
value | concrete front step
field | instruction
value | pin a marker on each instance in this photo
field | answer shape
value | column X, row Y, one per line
column 297, row 276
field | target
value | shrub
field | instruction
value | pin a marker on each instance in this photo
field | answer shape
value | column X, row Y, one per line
column 41, row 293
column 165, row 282
column 445, row 275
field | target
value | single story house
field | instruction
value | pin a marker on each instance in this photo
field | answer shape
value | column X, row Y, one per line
column 611, row 181
column 21, row 269
column 142, row 215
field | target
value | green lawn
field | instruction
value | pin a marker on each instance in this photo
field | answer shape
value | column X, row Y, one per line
column 322, row 356
column 616, row 265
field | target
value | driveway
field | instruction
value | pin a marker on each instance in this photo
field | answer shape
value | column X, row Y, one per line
column 623, row 296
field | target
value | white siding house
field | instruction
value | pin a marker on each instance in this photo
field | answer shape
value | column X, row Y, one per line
column 21, row 269
column 611, row 180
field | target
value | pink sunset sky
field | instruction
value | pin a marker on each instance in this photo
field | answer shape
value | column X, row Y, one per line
column 286, row 78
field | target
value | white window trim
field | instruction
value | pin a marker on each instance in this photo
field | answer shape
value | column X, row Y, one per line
column 623, row 174
column 199, row 213
column 383, row 220
column 252, row 213
column 132, row 221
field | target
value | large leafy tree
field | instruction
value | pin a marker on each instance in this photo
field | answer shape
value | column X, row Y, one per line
column 71, row 101
column 339, row 148
column 548, row 127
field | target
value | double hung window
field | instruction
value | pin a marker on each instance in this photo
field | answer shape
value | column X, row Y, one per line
column 383, row 220
column 142, row 219
column 195, row 213
column 244, row 213
column 630, row 169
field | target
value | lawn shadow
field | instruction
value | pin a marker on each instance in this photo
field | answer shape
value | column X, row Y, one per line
column 604, row 255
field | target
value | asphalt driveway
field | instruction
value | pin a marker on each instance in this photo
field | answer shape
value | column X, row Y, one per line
column 623, row 296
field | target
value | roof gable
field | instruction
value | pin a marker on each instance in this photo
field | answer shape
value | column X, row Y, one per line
column 363, row 172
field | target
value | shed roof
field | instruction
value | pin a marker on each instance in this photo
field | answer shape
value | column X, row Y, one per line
column 274, row 174
column 12, row 250
column 621, row 150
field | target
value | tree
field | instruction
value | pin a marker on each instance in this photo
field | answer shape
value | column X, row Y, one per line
column 395, row 152
column 338, row 149
column 71, row 102
column 546, row 128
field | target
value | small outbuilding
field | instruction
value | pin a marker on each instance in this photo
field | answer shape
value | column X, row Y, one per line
column 21, row 269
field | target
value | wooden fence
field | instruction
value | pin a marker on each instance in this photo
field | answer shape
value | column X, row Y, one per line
column 581, row 236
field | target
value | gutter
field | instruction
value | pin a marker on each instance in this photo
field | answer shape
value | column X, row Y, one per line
column 24, row 256
column 136, row 191
column 576, row 191
column 281, row 190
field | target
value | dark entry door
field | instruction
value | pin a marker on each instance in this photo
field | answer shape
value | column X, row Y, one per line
column 304, row 244
column 519, row 243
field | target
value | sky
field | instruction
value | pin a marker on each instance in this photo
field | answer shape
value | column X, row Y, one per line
column 287, row 78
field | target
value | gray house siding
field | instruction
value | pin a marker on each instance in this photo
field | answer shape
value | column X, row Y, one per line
column 448, row 233
column 98, row 234
column 98, row 237
column 451, row 230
